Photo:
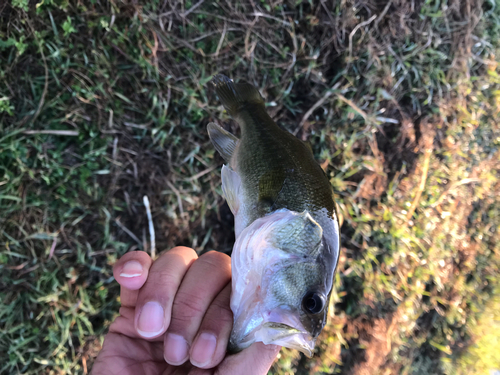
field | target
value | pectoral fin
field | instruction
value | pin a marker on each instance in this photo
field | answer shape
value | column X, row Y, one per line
column 224, row 142
column 231, row 184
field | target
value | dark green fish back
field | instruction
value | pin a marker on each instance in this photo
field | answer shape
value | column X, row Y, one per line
column 277, row 169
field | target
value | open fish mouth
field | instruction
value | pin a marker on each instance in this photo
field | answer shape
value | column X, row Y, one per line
column 291, row 335
column 276, row 334
column 284, row 335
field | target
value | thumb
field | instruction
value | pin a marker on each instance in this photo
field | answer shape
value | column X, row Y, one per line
column 254, row 360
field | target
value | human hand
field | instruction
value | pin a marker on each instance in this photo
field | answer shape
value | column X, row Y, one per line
column 175, row 318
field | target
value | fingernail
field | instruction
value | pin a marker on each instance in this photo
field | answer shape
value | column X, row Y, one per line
column 203, row 349
column 131, row 269
column 151, row 320
column 176, row 349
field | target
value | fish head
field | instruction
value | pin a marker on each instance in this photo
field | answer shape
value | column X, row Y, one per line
column 282, row 280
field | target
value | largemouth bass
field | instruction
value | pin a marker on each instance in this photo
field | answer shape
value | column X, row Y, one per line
column 287, row 234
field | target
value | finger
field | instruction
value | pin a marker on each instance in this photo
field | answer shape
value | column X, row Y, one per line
column 123, row 323
column 155, row 299
column 200, row 371
column 131, row 272
column 255, row 360
column 202, row 283
column 209, row 346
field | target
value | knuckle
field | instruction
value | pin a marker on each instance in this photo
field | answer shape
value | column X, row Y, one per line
column 180, row 321
column 185, row 250
column 220, row 312
column 164, row 279
column 187, row 306
column 216, row 259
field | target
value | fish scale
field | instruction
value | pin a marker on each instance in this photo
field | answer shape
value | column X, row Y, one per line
column 265, row 148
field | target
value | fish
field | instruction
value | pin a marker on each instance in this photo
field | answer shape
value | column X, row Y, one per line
column 287, row 232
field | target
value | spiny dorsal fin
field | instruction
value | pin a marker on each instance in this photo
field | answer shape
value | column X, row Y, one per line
column 234, row 95
column 224, row 142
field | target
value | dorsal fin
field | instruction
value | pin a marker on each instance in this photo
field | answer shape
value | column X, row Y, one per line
column 234, row 95
column 224, row 142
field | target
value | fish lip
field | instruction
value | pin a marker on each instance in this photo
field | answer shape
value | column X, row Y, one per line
column 276, row 333
column 290, row 338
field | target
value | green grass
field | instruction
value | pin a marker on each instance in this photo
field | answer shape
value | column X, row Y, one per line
column 480, row 358
column 402, row 111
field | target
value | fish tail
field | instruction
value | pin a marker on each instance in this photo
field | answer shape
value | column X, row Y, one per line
column 235, row 95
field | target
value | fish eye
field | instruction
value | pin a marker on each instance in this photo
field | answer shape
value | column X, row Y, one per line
column 313, row 302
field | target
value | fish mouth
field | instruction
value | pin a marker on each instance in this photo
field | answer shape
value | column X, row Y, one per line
column 282, row 329
column 290, row 337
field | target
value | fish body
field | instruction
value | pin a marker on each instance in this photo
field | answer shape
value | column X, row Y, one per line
column 287, row 234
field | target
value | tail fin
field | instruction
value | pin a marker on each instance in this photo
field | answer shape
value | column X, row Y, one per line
column 234, row 95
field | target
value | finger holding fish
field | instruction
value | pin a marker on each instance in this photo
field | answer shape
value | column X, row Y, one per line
column 172, row 305
column 192, row 302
